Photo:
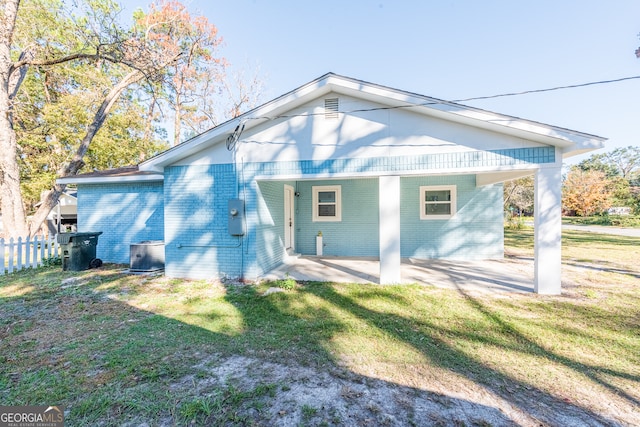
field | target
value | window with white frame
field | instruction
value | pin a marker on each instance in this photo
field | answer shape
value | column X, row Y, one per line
column 437, row 201
column 327, row 204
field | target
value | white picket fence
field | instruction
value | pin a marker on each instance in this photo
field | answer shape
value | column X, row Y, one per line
column 26, row 253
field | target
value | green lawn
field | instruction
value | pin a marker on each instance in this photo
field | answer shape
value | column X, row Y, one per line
column 114, row 348
column 632, row 221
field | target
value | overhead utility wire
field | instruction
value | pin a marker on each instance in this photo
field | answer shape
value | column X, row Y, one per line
column 233, row 138
column 459, row 100
column 548, row 89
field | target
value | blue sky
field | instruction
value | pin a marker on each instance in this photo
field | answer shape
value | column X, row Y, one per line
column 451, row 50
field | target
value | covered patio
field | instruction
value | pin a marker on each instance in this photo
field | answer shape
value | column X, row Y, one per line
column 487, row 276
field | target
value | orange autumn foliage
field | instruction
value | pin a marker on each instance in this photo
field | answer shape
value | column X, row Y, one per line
column 586, row 192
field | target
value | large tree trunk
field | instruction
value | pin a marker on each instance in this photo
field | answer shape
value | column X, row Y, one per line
column 13, row 216
column 74, row 166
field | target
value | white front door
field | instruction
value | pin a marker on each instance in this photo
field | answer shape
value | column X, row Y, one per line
column 289, row 217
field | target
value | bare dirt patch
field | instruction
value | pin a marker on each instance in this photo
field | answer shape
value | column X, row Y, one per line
column 309, row 396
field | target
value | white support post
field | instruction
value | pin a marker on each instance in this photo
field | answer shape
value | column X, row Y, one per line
column 389, row 227
column 548, row 230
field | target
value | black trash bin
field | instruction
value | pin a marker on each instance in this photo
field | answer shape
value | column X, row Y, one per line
column 79, row 250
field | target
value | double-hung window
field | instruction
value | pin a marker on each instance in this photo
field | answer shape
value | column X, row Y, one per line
column 437, row 201
column 327, row 204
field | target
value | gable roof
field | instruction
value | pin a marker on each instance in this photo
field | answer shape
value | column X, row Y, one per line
column 70, row 195
column 569, row 141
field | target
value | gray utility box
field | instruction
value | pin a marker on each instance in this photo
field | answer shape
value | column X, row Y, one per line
column 146, row 256
column 236, row 217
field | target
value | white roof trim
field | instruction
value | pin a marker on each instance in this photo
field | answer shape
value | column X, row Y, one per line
column 569, row 141
column 79, row 179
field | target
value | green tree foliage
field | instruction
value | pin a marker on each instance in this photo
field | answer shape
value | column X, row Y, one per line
column 597, row 163
column 57, row 103
column 623, row 162
column 81, row 92
column 50, row 131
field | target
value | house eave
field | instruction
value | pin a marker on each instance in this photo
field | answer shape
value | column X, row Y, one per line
column 79, row 179
column 570, row 142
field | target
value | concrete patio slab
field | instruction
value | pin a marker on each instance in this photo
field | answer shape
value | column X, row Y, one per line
column 507, row 275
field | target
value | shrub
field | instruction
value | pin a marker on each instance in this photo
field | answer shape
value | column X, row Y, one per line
column 52, row 261
column 514, row 222
column 287, row 283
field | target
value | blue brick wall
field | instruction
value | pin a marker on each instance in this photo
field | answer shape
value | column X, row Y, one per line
column 357, row 233
column 197, row 240
column 475, row 232
column 198, row 244
column 189, row 212
column 125, row 213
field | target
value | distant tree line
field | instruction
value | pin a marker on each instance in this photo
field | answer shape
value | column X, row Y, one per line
column 603, row 181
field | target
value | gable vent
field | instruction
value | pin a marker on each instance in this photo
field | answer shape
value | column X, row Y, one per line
column 331, row 108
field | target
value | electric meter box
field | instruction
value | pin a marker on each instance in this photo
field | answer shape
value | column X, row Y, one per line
column 235, row 213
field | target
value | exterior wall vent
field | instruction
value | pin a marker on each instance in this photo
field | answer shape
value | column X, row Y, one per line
column 331, row 108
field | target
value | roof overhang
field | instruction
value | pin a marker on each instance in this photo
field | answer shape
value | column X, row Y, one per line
column 569, row 142
column 128, row 174
column 79, row 179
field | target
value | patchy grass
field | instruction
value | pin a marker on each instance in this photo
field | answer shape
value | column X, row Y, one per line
column 117, row 349
column 584, row 247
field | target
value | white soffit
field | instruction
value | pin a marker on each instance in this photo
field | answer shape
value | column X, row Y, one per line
column 483, row 179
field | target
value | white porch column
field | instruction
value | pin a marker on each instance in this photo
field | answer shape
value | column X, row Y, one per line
column 548, row 230
column 389, row 224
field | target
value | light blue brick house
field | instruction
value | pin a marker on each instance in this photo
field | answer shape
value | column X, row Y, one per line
column 380, row 172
